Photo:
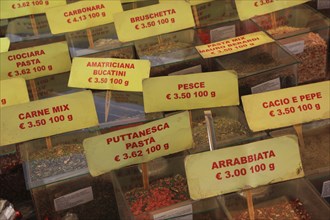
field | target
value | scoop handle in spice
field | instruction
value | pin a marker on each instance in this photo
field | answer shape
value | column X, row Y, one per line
column 210, row 129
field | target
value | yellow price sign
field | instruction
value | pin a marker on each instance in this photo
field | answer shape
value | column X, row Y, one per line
column 233, row 45
column 35, row 62
column 4, row 44
column 82, row 15
column 184, row 92
column 236, row 168
column 286, row 107
column 138, row 144
column 248, row 9
column 153, row 20
column 47, row 117
column 19, row 8
column 13, row 91
column 109, row 73
column 191, row 2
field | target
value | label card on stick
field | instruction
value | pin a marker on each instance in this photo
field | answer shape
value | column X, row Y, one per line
column 236, row 168
column 35, row 62
column 4, row 44
column 153, row 20
column 19, row 8
column 193, row 91
column 138, row 144
column 248, row 9
column 286, row 107
column 47, row 117
column 109, row 73
column 13, row 91
column 82, row 15
column 233, row 45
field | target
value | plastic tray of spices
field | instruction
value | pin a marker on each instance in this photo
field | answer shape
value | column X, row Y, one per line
column 214, row 12
column 51, row 86
column 262, row 68
column 61, row 158
column 121, row 108
column 320, row 182
column 167, row 196
column 305, row 33
column 129, row 5
column 22, row 29
column 170, row 52
column 230, row 128
column 103, row 38
column 315, row 155
column 293, row 199
column 12, row 185
column 81, row 197
column 225, row 30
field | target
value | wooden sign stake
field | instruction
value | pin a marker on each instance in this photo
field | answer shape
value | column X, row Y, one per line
column 250, row 204
column 32, row 81
column 298, row 129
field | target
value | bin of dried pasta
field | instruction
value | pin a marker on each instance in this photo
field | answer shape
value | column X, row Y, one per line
column 170, row 52
column 59, row 157
column 103, row 38
column 230, row 128
column 51, row 86
column 262, row 68
column 214, row 12
column 124, row 108
column 28, row 28
column 315, row 155
column 293, row 199
column 167, row 190
column 84, row 196
column 304, row 32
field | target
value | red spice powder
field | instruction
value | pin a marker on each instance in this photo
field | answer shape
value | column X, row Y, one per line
column 161, row 193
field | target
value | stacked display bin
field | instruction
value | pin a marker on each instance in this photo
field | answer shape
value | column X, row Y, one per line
column 170, row 52
column 304, row 32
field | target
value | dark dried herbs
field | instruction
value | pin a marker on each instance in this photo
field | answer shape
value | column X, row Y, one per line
column 225, row 128
column 56, row 161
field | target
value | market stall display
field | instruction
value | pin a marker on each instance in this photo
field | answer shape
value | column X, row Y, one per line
column 127, row 163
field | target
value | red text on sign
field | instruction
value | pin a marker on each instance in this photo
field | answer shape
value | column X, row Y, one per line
column 195, row 85
column 153, row 15
column 140, row 143
column 138, row 134
column 243, row 160
column 310, row 96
